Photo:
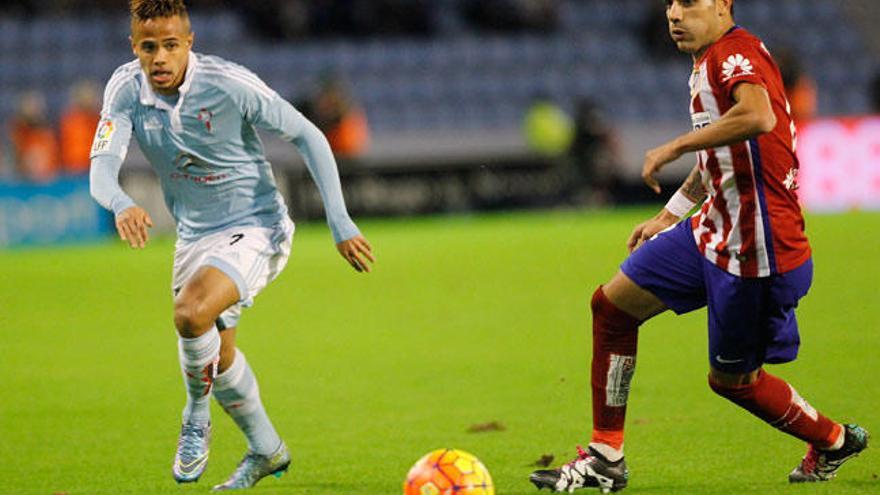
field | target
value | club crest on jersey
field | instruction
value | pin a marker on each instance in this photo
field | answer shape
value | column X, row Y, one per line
column 103, row 136
column 736, row 66
column 791, row 179
column 205, row 117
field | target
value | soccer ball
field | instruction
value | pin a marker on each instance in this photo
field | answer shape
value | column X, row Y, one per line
column 448, row 472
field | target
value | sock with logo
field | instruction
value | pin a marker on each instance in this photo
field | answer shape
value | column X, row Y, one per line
column 198, row 363
column 237, row 391
column 778, row 404
column 615, row 338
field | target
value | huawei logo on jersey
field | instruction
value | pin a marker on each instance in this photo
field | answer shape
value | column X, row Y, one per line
column 736, row 66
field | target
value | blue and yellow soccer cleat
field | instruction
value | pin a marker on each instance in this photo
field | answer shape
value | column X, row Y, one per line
column 822, row 465
column 255, row 467
column 192, row 452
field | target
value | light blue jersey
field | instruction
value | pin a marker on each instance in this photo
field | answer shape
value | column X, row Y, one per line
column 203, row 145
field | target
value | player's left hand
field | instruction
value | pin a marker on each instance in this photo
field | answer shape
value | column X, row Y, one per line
column 355, row 251
column 655, row 159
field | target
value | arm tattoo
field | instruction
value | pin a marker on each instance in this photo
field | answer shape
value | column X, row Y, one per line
column 693, row 186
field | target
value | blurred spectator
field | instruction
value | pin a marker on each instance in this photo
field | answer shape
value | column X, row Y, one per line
column 6, row 171
column 547, row 128
column 334, row 110
column 293, row 19
column 78, row 126
column 392, row 17
column 513, row 15
column 875, row 94
column 34, row 146
column 799, row 87
column 75, row 7
column 279, row 20
column 655, row 33
column 594, row 155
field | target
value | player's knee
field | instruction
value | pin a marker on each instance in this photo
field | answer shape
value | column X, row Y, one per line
column 606, row 311
column 191, row 319
column 598, row 303
column 724, row 384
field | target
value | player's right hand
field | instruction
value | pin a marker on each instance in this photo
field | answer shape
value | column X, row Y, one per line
column 649, row 229
column 132, row 224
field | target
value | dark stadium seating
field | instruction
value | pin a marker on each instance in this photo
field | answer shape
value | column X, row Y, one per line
column 459, row 79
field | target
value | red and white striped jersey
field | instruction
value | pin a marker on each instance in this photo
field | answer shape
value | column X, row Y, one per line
column 751, row 224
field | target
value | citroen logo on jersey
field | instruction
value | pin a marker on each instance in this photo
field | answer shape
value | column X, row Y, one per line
column 187, row 161
column 205, row 117
column 736, row 66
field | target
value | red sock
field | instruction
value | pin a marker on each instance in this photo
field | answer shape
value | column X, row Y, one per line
column 777, row 403
column 615, row 338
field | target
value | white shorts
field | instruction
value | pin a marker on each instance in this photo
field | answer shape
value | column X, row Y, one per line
column 251, row 256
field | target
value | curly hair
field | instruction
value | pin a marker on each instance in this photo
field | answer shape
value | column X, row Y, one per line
column 142, row 10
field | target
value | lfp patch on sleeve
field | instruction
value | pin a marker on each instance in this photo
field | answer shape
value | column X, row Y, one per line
column 103, row 136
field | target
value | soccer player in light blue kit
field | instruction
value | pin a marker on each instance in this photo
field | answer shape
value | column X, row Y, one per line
column 195, row 118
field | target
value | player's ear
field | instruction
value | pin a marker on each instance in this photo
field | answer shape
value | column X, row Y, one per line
column 133, row 47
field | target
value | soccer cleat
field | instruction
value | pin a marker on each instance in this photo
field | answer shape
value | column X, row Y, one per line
column 255, row 467
column 822, row 465
column 587, row 470
column 192, row 452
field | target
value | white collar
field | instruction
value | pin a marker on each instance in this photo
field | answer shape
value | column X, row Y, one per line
column 149, row 98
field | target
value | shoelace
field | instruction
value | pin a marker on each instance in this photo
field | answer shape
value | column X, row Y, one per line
column 244, row 470
column 190, row 447
column 249, row 471
column 582, row 455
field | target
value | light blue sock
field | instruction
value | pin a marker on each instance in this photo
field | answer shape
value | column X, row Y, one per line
column 237, row 391
column 198, row 363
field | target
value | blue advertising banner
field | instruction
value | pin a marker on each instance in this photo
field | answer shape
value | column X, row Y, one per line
column 52, row 213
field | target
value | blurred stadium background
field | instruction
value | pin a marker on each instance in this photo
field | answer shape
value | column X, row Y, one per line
column 433, row 106
column 436, row 106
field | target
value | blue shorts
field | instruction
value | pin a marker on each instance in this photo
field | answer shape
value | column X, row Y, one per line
column 751, row 320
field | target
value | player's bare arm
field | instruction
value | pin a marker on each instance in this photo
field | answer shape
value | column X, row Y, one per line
column 355, row 251
column 132, row 225
column 692, row 189
column 750, row 116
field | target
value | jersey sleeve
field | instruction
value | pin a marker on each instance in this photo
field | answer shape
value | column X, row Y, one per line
column 737, row 61
column 111, row 141
column 263, row 107
column 115, row 127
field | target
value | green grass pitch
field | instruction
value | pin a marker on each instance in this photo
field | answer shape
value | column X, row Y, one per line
column 465, row 320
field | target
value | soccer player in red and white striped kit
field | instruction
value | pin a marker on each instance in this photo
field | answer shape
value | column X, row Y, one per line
column 743, row 255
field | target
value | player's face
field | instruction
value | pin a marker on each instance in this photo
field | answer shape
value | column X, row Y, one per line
column 162, row 45
column 696, row 24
